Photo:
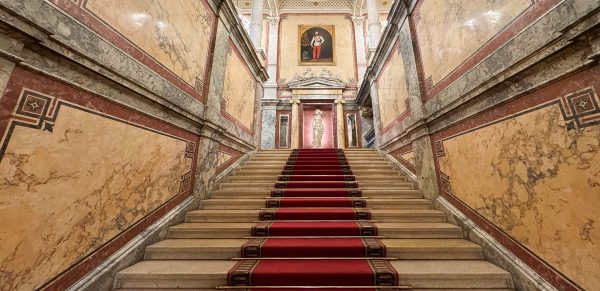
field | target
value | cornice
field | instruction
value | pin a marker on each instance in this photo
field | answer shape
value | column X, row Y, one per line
column 398, row 14
column 237, row 31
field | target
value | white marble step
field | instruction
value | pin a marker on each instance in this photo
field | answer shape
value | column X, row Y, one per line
column 388, row 229
column 250, row 215
column 371, row 193
column 420, row 274
column 223, row 249
column 254, row 203
column 271, row 185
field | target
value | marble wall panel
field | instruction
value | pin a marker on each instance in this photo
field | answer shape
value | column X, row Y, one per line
column 172, row 37
column 345, row 63
column 70, row 194
column 239, row 90
column 392, row 90
column 532, row 169
column 406, row 156
column 269, row 127
column 282, row 135
column 226, row 157
column 449, row 32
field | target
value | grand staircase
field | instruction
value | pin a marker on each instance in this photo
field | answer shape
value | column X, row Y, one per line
column 326, row 218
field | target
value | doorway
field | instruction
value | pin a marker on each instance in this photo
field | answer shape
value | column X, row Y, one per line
column 318, row 124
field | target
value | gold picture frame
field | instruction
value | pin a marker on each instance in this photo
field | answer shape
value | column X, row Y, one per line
column 325, row 55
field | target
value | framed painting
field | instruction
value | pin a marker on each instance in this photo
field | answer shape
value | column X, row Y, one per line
column 316, row 45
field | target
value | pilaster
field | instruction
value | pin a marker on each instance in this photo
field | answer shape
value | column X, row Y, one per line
column 295, row 123
column 339, row 112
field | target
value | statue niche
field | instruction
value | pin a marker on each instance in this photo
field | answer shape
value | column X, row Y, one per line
column 317, row 125
column 318, row 129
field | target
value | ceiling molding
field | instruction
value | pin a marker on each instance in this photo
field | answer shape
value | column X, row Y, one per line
column 277, row 7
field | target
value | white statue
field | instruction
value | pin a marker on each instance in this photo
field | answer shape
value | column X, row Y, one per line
column 317, row 125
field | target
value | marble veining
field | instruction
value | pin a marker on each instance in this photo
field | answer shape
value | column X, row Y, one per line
column 450, row 31
column 65, row 193
column 223, row 157
column 537, row 181
column 176, row 33
column 239, row 89
column 392, row 90
column 408, row 157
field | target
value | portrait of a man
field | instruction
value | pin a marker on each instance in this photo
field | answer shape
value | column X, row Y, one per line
column 317, row 45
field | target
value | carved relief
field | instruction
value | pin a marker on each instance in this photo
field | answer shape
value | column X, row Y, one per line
column 324, row 74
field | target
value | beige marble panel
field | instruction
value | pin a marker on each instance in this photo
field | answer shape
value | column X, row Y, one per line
column 176, row 33
column 344, row 67
column 449, row 31
column 64, row 194
column 239, row 88
column 409, row 157
column 539, row 183
column 392, row 90
column 223, row 157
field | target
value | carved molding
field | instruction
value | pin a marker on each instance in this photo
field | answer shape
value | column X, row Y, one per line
column 273, row 21
column 325, row 77
column 358, row 20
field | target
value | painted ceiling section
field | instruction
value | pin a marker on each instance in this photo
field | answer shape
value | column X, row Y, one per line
column 274, row 7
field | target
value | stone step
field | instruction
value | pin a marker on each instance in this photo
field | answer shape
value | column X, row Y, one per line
column 255, row 160
column 274, row 172
column 433, row 249
column 445, row 274
column 266, row 158
column 366, row 166
column 256, row 203
column 369, row 161
column 262, row 193
column 363, row 179
column 271, row 185
column 353, row 162
column 420, row 274
column 160, row 274
column 375, row 157
column 376, row 172
column 388, row 229
column 223, row 249
column 244, row 179
column 281, row 163
column 275, row 152
column 250, row 215
column 279, row 159
column 195, row 249
column 365, row 159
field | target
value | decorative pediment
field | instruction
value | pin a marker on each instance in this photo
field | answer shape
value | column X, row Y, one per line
column 309, row 80
column 316, row 83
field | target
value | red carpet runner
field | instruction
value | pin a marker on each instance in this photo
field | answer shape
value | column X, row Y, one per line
column 314, row 231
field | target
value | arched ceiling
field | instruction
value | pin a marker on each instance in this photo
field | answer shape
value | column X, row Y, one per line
column 275, row 7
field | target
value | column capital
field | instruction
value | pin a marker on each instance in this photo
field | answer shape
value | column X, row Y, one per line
column 358, row 20
column 273, row 20
column 295, row 101
column 339, row 101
